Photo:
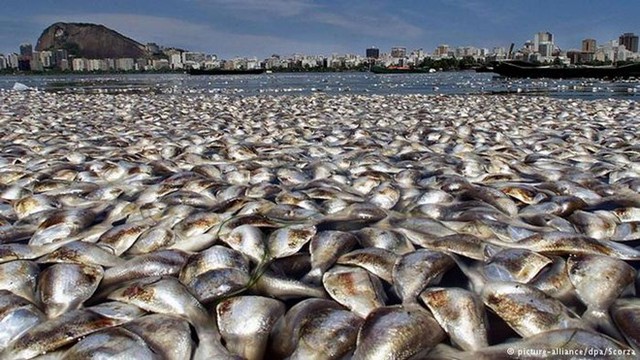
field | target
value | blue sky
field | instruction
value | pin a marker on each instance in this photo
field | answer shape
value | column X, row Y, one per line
column 231, row 28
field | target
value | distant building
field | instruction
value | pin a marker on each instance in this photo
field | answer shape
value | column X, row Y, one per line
column 13, row 61
column 3, row 62
column 589, row 45
column 61, row 58
column 398, row 52
column 442, row 50
column 629, row 41
column 540, row 38
column 26, row 50
column 79, row 64
column 160, row 64
column 125, row 64
column 373, row 53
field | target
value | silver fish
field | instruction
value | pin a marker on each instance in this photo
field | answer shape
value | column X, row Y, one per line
column 355, row 288
column 414, row 271
column 17, row 315
column 286, row 331
column 377, row 261
column 245, row 323
column 527, row 310
column 325, row 247
column 65, row 329
column 599, row 281
column 519, row 265
column 330, row 334
column 81, row 252
column 248, row 240
column 626, row 315
column 160, row 263
column 168, row 336
column 169, row 296
column 397, row 332
column 287, row 241
column 65, row 286
column 559, row 343
column 112, row 343
column 460, row 313
column 20, row 277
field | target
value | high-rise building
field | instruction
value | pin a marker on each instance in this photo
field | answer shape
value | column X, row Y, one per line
column 398, row 52
column 373, row 53
column 629, row 41
column 542, row 38
column 589, row 45
column 26, row 50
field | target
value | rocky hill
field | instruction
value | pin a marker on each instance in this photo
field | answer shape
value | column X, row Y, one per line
column 90, row 41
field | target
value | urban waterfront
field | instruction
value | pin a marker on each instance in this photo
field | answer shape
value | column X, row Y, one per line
column 449, row 83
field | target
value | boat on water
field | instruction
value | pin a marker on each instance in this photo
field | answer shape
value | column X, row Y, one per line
column 226, row 71
column 399, row 70
column 522, row 69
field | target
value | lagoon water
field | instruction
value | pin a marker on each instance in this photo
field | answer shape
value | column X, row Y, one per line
column 459, row 83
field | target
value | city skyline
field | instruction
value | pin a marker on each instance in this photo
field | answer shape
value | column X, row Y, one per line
column 259, row 28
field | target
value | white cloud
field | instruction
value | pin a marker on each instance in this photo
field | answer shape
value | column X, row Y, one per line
column 282, row 8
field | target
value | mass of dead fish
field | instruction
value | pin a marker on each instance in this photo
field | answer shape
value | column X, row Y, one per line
column 154, row 226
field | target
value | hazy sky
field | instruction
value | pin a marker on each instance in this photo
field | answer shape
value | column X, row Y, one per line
column 260, row 28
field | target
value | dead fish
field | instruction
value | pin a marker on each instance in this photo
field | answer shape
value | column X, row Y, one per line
column 413, row 272
column 81, row 252
column 626, row 315
column 460, row 313
column 519, row 265
column 527, row 310
column 385, row 196
column 466, row 245
column 32, row 204
column 330, row 334
column 169, row 337
column 245, row 323
column 120, row 238
column 398, row 332
column 283, row 288
column 66, row 328
column 384, row 239
column 286, row 331
column 168, row 296
column 564, row 243
column 17, row 315
column 354, row 217
column 20, row 277
column 593, row 225
column 60, row 225
column 65, row 286
column 248, row 240
column 160, row 263
column 289, row 240
column 599, row 281
column 554, row 343
column 355, row 288
column 377, row 261
column 554, row 281
column 325, row 247
column 198, row 223
column 14, row 233
column 154, row 239
column 112, row 343
column 215, row 272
